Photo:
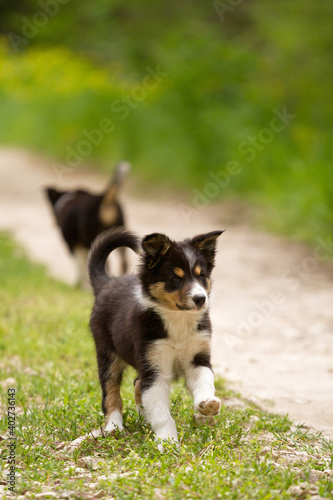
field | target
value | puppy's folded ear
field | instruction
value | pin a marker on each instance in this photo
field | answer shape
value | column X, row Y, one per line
column 155, row 246
column 206, row 244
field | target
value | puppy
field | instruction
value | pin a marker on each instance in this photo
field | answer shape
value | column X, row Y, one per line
column 156, row 321
column 81, row 216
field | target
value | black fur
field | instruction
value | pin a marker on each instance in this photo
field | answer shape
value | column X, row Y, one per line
column 79, row 216
column 107, row 242
column 78, row 219
column 202, row 359
column 205, row 323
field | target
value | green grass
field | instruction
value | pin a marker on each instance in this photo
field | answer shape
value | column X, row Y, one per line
column 48, row 351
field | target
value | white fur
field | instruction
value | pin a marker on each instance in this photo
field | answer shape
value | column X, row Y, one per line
column 180, row 325
column 142, row 300
column 200, row 382
column 115, row 421
column 175, row 353
column 191, row 257
column 173, row 356
column 197, row 289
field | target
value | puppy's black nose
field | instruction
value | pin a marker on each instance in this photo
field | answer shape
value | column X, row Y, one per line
column 199, row 300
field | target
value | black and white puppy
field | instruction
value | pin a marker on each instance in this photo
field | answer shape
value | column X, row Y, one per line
column 82, row 215
column 156, row 321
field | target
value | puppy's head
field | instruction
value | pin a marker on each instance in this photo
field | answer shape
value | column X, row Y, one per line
column 176, row 275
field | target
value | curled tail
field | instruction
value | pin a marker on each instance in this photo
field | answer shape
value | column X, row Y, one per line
column 104, row 244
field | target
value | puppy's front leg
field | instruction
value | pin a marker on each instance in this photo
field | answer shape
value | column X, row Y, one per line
column 155, row 401
column 200, row 382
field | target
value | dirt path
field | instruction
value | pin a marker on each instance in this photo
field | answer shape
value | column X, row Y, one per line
column 272, row 313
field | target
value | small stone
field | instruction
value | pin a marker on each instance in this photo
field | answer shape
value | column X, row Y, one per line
column 67, row 494
column 88, row 463
column 301, row 453
column 79, row 470
column 123, row 474
column 46, row 494
column 93, row 485
column 295, row 490
column 315, row 475
column 61, row 445
column 304, row 485
column 73, row 445
column 313, row 489
column 102, row 478
column 99, row 494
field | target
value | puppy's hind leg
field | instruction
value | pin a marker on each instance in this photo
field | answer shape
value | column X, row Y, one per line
column 80, row 255
column 112, row 403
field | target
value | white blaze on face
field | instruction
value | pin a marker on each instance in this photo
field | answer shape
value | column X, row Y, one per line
column 198, row 290
column 190, row 256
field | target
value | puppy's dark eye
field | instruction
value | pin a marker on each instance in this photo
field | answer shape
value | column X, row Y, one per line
column 176, row 279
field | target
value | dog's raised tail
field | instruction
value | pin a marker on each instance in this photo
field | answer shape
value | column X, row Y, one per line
column 119, row 173
column 103, row 245
column 121, row 170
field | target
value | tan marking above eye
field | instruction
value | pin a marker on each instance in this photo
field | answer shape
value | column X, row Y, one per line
column 197, row 270
column 179, row 272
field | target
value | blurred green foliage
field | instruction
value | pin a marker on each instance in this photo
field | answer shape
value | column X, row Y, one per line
column 185, row 89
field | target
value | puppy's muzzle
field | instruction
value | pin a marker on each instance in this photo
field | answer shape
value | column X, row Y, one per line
column 198, row 297
column 199, row 300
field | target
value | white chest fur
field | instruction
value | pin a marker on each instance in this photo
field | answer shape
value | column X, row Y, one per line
column 173, row 355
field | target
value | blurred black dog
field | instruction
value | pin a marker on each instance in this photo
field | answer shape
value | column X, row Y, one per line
column 82, row 215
